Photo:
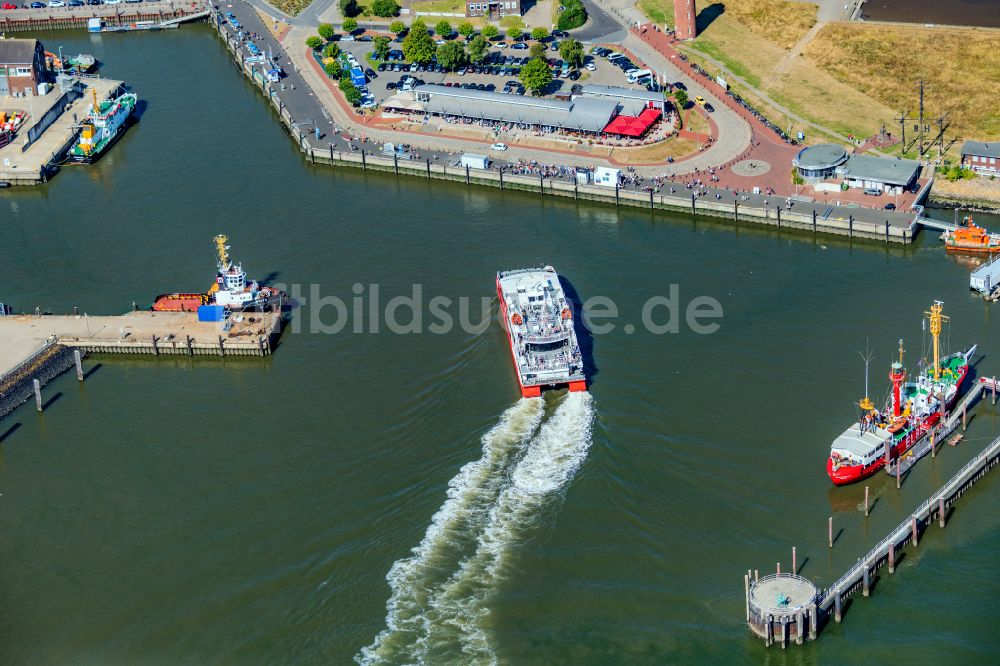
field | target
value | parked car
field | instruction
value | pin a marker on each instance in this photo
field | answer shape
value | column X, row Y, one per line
column 590, row 67
column 75, row 3
column 560, row 33
column 520, row 46
column 364, row 38
column 499, row 146
column 699, row 100
column 57, row 3
column 391, row 85
column 709, row 108
column 8, row 5
column 37, row 5
column 890, row 206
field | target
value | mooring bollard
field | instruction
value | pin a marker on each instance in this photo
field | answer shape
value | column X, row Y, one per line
column 866, row 501
column 941, row 511
column 830, row 531
column 79, row 364
column 38, row 394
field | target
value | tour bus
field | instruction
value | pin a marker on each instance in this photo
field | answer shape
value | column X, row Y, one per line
column 640, row 76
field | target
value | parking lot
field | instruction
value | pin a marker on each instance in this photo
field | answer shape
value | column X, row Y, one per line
column 498, row 73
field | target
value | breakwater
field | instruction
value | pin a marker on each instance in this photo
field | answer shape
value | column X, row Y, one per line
column 818, row 218
column 17, row 385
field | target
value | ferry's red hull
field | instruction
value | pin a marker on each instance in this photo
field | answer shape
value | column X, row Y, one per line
column 528, row 391
column 847, row 474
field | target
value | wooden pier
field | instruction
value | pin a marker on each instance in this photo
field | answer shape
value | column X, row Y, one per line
column 166, row 14
column 785, row 607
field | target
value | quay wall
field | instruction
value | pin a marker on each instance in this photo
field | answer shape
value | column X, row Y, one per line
column 16, row 386
column 682, row 201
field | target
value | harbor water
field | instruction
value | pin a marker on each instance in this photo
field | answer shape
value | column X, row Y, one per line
column 984, row 13
column 389, row 498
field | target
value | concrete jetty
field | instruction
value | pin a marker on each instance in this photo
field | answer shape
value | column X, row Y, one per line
column 139, row 332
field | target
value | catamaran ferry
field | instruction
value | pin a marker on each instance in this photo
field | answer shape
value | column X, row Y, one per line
column 912, row 409
column 540, row 331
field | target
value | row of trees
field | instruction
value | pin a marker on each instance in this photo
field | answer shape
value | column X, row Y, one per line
column 444, row 29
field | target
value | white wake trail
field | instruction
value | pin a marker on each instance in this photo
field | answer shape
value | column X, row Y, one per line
column 552, row 458
column 470, row 494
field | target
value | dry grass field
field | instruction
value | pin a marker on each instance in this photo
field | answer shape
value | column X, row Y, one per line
column 657, row 152
column 778, row 21
column 960, row 67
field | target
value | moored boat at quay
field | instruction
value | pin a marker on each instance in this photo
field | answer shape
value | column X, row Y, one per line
column 539, row 324
column 971, row 238
column 103, row 125
column 230, row 289
column 911, row 410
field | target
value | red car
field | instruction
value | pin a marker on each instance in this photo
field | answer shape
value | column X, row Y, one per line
column 8, row 5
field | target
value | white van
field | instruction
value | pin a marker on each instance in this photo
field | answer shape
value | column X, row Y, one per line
column 639, row 76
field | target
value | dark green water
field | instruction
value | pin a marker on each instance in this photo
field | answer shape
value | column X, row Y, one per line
column 248, row 511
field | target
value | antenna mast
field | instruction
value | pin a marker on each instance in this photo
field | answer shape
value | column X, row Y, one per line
column 866, row 403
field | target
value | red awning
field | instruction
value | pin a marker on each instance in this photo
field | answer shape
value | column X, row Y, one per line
column 633, row 125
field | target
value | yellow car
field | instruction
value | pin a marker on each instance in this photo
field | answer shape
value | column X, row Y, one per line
column 699, row 100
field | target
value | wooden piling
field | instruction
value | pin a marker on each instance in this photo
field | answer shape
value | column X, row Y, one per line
column 866, row 501
column 836, row 607
column 78, row 360
column 778, row 568
column 784, row 632
column 913, row 527
column 933, row 451
column 190, row 351
column 795, row 568
column 830, row 531
column 813, row 621
column 756, row 575
column 746, row 587
column 799, row 622
column 156, row 351
column 865, row 581
column 965, row 423
column 428, row 168
column 891, row 555
column 222, row 349
column 38, row 394
column 941, row 511
column 994, row 390
column 898, row 467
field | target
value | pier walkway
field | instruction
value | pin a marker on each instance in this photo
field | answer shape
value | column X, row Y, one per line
column 929, row 223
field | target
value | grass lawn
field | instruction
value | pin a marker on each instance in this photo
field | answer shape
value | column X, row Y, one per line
column 446, row 6
column 697, row 123
column 960, row 68
column 658, row 11
column 512, row 22
column 656, row 152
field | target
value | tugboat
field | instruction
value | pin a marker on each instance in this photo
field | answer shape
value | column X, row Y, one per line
column 970, row 237
column 540, row 331
column 912, row 409
column 102, row 126
column 230, row 289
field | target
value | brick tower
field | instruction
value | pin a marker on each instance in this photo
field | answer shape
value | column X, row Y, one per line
column 684, row 19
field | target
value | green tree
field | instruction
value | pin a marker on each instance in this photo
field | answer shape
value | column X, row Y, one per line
column 572, row 52
column 466, row 29
column 385, row 8
column 573, row 16
column 351, row 92
column 514, row 33
column 381, row 45
column 539, row 33
column 349, row 8
column 443, row 28
column 350, row 25
column 478, row 48
column 418, row 46
column 326, row 31
column 397, row 27
column 681, row 97
column 314, row 42
column 490, row 31
column 537, row 50
column 451, row 54
column 333, row 69
column 536, row 75
column 331, row 50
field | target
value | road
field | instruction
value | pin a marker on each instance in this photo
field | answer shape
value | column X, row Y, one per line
column 601, row 27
